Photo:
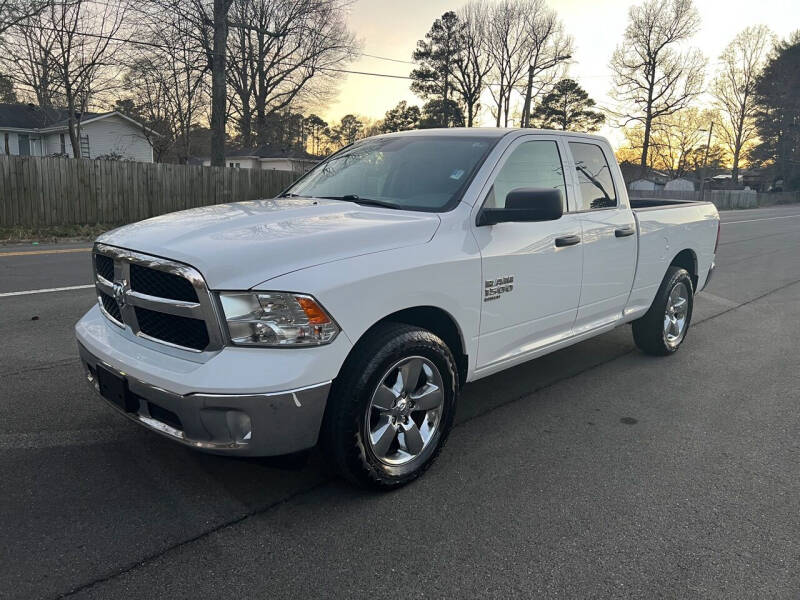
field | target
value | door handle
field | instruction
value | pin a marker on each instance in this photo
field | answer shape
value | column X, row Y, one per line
column 567, row 240
column 624, row 231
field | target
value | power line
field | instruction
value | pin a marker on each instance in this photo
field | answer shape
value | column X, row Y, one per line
column 133, row 42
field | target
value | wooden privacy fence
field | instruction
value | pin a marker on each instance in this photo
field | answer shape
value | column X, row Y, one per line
column 42, row 191
column 723, row 199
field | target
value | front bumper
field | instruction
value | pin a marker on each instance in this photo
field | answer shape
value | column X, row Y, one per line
column 238, row 401
column 246, row 425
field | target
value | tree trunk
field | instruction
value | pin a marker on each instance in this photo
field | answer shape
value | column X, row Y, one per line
column 645, row 146
column 218, row 92
column 72, row 127
column 526, row 107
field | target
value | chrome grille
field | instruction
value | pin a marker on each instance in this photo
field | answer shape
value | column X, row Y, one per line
column 156, row 299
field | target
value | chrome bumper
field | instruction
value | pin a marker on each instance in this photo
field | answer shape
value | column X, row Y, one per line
column 245, row 425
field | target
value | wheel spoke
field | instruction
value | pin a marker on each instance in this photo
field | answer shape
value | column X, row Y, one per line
column 409, row 375
column 428, row 398
column 676, row 329
column 382, row 436
column 384, row 399
column 413, row 438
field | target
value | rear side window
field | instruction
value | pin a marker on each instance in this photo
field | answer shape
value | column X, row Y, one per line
column 594, row 177
column 535, row 164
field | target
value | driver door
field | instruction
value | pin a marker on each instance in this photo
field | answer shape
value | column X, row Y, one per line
column 531, row 270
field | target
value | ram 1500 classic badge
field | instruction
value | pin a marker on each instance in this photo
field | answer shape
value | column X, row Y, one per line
column 493, row 288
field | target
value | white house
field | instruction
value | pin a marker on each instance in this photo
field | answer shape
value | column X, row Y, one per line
column 679, row 184
column 268, row 159
column 28, row 130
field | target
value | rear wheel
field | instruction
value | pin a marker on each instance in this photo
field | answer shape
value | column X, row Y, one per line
column 392, row 407
column 663, row 328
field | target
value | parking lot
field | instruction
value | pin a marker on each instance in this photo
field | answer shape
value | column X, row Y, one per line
column 594, row 472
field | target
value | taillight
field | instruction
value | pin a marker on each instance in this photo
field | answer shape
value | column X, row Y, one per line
column 719, row 228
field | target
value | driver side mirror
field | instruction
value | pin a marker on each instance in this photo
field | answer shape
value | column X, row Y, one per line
column 525, row 205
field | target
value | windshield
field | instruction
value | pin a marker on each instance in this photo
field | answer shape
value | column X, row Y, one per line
column 426, row 173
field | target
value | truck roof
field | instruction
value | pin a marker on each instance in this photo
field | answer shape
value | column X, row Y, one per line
column 489, row 132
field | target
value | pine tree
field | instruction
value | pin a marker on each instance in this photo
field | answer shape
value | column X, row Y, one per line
column 568, row 108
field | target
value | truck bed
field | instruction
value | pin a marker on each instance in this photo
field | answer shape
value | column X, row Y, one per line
column 649, row 203
column 665, row 228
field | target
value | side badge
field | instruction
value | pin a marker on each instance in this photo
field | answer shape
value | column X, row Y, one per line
column 493, row 288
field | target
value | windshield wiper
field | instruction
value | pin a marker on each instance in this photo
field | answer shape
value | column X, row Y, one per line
column 362, row 201
column 289, row 195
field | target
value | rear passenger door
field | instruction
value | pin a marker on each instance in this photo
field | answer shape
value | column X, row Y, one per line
column 609, row 236
column 531, row 284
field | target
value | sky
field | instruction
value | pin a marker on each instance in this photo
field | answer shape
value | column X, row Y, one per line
column 391, row 28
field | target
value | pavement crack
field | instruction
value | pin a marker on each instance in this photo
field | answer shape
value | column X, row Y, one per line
column 52, row 365
column 200, row 536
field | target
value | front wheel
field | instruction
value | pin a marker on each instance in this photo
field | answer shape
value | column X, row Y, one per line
column 663, row 327
column 391, row 408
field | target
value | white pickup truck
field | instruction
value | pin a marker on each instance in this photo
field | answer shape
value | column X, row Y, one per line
column 352, row 308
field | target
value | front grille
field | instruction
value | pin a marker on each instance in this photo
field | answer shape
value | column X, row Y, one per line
column 105, row 266
column 161, row 284
column 161, row 300
column 191, row 333
column 111, row 306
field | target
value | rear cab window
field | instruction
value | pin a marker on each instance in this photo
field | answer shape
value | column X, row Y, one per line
column 595, row 183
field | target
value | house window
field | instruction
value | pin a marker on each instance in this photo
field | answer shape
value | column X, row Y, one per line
column 6, row 144
column 24, row 143
column 63, row 140
column 85, row 147
column 234, row 165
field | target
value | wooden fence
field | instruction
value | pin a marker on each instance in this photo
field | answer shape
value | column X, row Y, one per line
column 42, row 191
column 723, row 199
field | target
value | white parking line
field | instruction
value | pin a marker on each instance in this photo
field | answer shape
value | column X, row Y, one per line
column 764, row 219
column 46, row 290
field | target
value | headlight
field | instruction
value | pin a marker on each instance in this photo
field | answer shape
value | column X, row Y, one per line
column 276, row 319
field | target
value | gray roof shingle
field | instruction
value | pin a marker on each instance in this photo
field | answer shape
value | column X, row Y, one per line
column 29, row 116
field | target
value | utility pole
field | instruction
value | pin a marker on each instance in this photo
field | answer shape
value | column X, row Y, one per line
column 705, row 164
column 218, row 91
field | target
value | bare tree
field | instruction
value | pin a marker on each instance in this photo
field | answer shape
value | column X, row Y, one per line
column 166, row 80
column 27, row 54
column 473, row 63
column 279, row 55
column 653, row 79
column 13, row 12
column 674, row 138
column 86, row 54
column 739, row 66
column 526, row 41
column 209, row 24
column 508, row 49
column 550, row 48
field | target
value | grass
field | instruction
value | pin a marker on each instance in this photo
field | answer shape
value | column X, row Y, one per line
column 55, row 233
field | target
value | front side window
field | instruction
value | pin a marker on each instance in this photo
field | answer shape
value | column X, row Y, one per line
column 594, row 177
column 535, row 164
column 413, row 172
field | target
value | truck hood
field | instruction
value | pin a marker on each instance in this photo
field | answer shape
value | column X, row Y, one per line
column 240, row 245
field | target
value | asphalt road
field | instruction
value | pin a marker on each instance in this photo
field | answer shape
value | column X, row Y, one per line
column 593, row 472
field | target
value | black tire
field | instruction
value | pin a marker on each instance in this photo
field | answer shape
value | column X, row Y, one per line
column 649, row 330
column 348, row 411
